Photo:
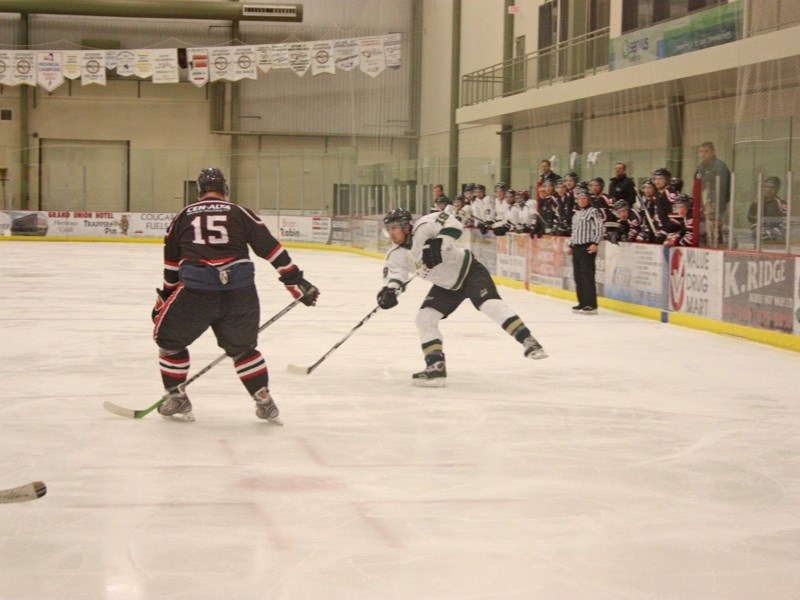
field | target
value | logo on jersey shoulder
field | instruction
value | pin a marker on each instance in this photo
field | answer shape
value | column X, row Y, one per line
column 215, row 207
column 484, row 292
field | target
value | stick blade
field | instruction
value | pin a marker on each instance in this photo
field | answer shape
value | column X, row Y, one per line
column 24, row 493
column 298, row 370
column 119, row 410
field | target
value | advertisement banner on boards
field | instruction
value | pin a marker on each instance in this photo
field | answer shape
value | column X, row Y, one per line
column 546, row 261
column 695, row 282
column 757, row 290
column 635, row 273
column 511, row 256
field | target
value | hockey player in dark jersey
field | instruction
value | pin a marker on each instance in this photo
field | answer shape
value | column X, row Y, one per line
column 429, row 249
column 209, row 281
column 680, row 227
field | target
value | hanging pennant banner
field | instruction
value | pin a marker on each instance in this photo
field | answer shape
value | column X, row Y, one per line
column 111, row 59
column 72, row 64
column 165, row 65
column 299, row 58
column 6, row 66
column 24, row 67
column 197, row 59
column 244, row 62
column 345, row 54
column 221, row 66
column 143, row 63
column 49, row 70
column 322, row 58
column 126, row 61
column 392, row 45
column 93, row 67
column 280, row 56
column 373, row 58
column 264, row 58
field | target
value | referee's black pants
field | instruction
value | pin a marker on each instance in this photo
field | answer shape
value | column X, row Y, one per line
column 583, row 270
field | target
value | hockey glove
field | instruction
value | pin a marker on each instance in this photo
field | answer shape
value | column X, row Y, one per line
column 432, row 252
column 387, row 298
column 538, row 227
column 299, row 288
column 161, row 300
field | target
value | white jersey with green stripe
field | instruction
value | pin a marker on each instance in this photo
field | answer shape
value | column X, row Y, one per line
column 402, row 262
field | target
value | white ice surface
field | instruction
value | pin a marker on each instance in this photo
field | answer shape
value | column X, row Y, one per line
column 640, row 460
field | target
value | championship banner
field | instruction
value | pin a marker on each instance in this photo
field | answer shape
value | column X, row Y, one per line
column 280, row 56
column 758, row 291
column 24, row 67
column 372, row 56
column 111, row 59
column 392, row 46
column 695, row 282
column 165, row 65
column 244, row 63
column 93, row 67
column 198, row 60
column 322, row 58
column 126, row 61
column 49, row 70
column 264, row 58
column 221, row 66
column 6, row 67
column 345, row 54
column 143, row 63
column 299, row 58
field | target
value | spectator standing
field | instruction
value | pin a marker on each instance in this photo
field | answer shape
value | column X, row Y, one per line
column 622, row 187
column 774, row 212
column 546, row 173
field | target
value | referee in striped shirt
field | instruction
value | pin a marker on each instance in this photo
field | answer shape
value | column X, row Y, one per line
column 587, row 233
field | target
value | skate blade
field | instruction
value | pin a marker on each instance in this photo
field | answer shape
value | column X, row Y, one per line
column 275, row 421
column 187, row 417
column 537, row 355
column 431, row 383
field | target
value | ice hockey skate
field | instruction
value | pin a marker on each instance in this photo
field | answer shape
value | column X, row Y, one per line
column 533, row 349
column 434, row 375
column 177, row 407
column 266, row 408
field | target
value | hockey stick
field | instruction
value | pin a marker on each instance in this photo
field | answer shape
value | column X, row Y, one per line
column 23, row 493
column 138, row 414
column 297, row 370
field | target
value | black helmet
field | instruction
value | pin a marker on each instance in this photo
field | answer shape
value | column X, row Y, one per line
column 461, row 198
column 582, row 190
column 480, row 186
column 598, row 180
column 662, row 172
column 470, row 187
column 676, row 183
column 398, row 216
column 500, row 185
column 648, row 182
column 682, row 199
column 571, row 175
column 212, row 180
column 619, row 205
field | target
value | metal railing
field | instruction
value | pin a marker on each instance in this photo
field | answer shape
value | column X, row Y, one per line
column 565, row 61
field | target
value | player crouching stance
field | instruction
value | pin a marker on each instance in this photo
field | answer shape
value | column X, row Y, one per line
column 209, row 281
column 456, row 275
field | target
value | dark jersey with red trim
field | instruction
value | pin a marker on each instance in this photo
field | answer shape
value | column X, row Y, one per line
column 217, row 233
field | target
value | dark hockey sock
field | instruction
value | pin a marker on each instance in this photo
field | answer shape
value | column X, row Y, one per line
column 433, row 351
column 174, row 368
column 516, row 328
column 252, row 370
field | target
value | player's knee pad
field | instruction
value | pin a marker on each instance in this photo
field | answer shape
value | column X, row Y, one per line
column 427, row 322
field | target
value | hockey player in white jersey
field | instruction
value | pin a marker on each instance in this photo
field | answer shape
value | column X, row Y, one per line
column 429, row 249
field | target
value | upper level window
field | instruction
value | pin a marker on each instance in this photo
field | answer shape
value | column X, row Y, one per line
column 643, row 13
